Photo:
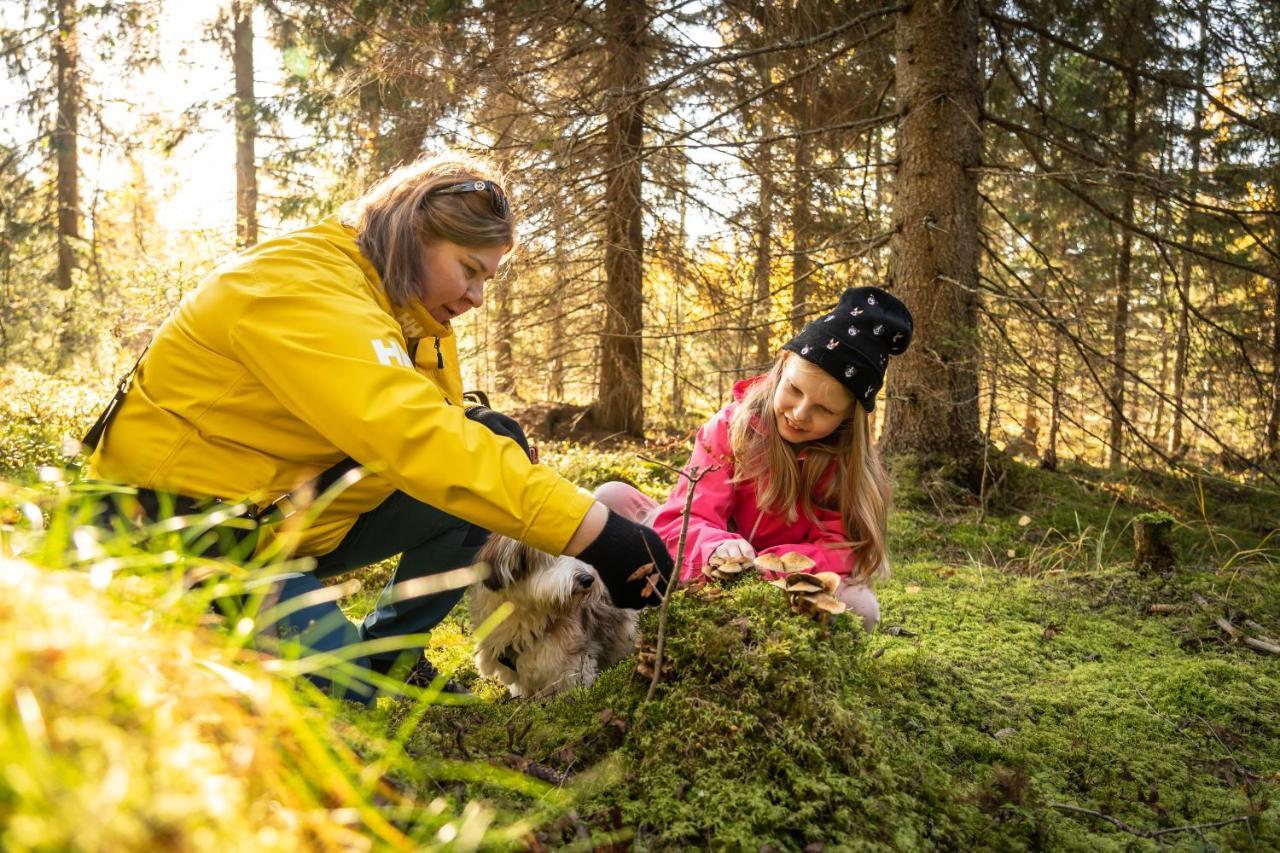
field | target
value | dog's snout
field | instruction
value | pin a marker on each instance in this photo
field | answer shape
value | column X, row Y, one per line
column 584, row 580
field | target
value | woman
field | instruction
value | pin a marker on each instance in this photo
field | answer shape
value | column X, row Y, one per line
column 334, row 342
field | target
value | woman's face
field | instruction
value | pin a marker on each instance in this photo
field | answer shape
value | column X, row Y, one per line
column 455, row 277
column 809, row 404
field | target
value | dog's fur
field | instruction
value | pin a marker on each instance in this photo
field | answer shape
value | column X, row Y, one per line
column 564, row 628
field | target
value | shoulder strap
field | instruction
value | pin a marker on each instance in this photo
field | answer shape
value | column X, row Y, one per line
column 93, row 437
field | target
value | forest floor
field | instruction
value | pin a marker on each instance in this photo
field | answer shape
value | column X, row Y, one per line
column 1027, row 689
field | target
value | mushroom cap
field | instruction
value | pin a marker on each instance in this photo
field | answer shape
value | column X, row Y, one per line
column 830, row 581
column 801, row 583
column 769, row 563
column 794, row 561
column 829, row 604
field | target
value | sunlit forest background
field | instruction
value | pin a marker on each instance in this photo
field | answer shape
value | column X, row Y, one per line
column 694, row 182
column 1079, row 200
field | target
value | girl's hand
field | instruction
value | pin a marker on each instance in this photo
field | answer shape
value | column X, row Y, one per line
column 735, row 549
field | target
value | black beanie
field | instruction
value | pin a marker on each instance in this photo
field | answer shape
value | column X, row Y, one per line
column 853, row 343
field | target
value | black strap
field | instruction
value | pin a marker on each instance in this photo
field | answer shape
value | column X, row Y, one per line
column 94, row 436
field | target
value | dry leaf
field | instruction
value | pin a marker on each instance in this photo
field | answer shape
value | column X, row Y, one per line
column 640, row 572
column 912, row 589
column 1024, row 521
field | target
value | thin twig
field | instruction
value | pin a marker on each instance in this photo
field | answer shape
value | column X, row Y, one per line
column 1258, row 645
column 1146, row 833
column 693, row 475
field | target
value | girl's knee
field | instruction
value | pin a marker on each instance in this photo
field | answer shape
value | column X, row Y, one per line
column 627, row 501
column 862, row 603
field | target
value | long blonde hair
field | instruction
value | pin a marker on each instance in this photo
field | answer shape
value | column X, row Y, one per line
column 395, row 218
column 860, row 489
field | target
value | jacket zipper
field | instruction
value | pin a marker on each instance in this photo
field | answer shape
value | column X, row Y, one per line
column 439, row 355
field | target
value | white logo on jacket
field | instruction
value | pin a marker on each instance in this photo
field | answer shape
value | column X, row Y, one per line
column 390, row 352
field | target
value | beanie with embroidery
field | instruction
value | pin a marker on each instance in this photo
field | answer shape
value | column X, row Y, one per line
column 854, row 341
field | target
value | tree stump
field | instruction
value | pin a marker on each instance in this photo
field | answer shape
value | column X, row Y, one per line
column 1151, row 549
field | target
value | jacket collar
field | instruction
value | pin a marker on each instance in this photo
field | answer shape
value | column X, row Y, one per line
column 414, row 318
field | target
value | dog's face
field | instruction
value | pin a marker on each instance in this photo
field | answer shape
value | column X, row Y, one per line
column 532, row 578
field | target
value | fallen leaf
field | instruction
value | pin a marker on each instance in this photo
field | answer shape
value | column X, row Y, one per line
column 912, row 589
column 1004, row 733
column 1011, row 553
column 640, row 572
column 1052, row 630
column 1024, row 521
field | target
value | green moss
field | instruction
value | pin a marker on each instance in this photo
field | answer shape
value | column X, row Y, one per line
column 1022, row 685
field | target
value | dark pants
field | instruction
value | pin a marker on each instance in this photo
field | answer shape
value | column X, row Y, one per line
column 429, row 541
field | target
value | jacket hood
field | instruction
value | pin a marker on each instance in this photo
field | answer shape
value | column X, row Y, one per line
column 740, row 387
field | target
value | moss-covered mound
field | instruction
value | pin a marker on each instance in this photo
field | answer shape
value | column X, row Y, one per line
column 990, row 712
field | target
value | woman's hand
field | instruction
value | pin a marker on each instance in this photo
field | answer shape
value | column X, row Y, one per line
column 631, row 559
column 732, row 550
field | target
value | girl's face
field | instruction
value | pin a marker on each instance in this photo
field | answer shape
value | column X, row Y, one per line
column 455, row 277
column 809, row 404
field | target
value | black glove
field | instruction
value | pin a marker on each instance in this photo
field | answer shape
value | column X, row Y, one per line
column 499, row 424
column 617, row 555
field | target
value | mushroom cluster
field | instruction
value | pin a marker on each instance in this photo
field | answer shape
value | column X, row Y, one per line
column 811, row 595
column 646, row 657
column 725, row 568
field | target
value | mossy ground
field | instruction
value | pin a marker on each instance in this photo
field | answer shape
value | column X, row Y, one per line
column 1018, row 677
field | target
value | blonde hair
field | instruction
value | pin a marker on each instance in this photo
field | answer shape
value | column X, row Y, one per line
column 860, row 489
column 398, row 215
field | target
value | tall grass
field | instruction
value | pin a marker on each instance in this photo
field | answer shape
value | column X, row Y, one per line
column 131, row 717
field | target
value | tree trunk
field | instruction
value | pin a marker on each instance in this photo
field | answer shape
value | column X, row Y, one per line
column 1049, row 459
column 505, row 371
column 556, row 349
column 761, row 304
column 1188, row 237
column 620, row 404
column 1272, row 452
column 1124, row 279
column 802, row 266
column 246, row 110
column 933, row 408
column 65, row 139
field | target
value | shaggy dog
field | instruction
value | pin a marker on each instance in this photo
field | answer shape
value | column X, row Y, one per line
column 563, row 630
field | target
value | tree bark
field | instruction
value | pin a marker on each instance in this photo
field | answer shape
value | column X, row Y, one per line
column 65, row 140
column 1188, row 237
column 762, row 302
column 246, row 109
column 504, row 379
column 1124, row 279
column 1272, row 438
column 620, row 406
column 932, row 409
column 802, row 266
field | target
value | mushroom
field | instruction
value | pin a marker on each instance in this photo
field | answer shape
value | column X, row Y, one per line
column 830, row 581
column 810, row 595
column 725, row 568
column 769, row 563
column 794, row 561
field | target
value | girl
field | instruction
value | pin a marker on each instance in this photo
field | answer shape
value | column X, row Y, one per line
column 789, row 463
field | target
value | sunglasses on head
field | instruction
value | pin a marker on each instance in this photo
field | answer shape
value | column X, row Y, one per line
column 497, row 198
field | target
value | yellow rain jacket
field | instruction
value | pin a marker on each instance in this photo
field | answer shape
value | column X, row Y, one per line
column 288, row 358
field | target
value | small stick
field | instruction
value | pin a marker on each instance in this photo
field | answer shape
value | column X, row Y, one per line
column 1259, row 645
column 693, row 476
column 1163, row 608
column 1147, row 833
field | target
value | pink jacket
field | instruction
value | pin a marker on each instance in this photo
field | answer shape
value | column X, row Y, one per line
column 720, row 506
